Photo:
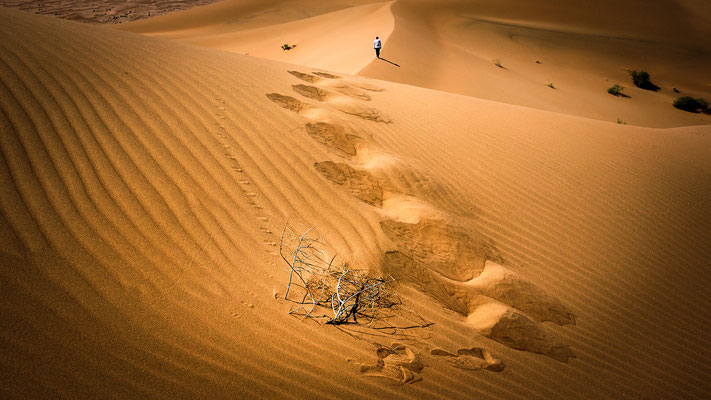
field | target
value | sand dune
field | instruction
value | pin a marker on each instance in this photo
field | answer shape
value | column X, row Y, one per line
column 215, row 27
column 581, row 50
column 145, row 184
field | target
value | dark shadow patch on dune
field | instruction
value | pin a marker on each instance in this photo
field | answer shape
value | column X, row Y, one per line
column 388, row 61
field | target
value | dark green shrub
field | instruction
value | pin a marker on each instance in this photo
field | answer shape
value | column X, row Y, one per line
column 616, row 90
column 641, row 80
column 690, row 104
column 286, row 46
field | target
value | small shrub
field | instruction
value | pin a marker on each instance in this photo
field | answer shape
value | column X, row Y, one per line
column 335, row 288
column 621, row 122
column 550, row 85
column 690, row 104
column 286, row 46
column 616, row 90
column 497, row 62
column 641, row 80
column 676, row 90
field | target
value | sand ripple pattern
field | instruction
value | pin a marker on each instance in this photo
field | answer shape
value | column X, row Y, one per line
column 454, row 264
column 142, row 183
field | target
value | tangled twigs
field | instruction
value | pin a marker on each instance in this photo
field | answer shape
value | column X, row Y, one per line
column 348, row 293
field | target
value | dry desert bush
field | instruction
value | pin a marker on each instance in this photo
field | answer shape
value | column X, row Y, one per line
column 342, row 291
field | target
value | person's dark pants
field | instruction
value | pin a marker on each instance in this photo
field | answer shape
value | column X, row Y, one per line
column 377, row 52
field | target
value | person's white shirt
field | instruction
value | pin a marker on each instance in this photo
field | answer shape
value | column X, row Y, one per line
column 377, row 44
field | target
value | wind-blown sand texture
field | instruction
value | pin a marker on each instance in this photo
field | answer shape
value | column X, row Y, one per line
column 145, row 183
column 104, row 11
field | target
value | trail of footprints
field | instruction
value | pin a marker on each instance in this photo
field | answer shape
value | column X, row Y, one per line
column 433, row 250
column 401, row 364
column 243, row 181
column 321, row 95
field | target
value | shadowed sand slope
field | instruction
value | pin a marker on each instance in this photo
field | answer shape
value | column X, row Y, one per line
column 582, row 49
column 145, row 183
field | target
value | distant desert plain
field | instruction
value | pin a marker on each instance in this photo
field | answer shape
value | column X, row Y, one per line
column 237, row 199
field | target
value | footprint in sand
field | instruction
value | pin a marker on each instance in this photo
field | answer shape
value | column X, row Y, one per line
column 450, row 250
column 346, row 89
column 360, row 184
column 513, row 329
column 224, row 140
column 472, row 359
column 322, row 95
column 454, row 266
column 327, row 75
column 367, row 86
column 364, row 112
column 398, row 363
column 304, row 77
column 352, row 92
column 505, row 286
column 452, row 263
column 312, row 92
column 408, row 209
column 497, row 303
column 288, row 102
column 334, row 137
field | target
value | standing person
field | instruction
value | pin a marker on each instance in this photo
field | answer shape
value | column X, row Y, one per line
column 377, row 46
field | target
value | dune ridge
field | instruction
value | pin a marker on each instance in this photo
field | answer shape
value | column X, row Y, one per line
column 346, row 22
column 142, row 206
column 581, row 50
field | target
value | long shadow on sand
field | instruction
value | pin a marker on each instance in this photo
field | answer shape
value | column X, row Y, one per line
column 388, row 61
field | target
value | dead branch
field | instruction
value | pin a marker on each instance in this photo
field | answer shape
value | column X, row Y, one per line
column 346, row 292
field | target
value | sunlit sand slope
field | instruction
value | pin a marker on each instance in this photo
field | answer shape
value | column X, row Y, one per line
column 146, row 183
column 331, row 35
column 557, row 56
